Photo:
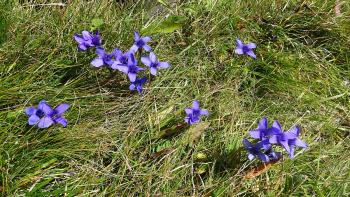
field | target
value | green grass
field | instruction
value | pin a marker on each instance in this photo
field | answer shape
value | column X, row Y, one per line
column 301, row 77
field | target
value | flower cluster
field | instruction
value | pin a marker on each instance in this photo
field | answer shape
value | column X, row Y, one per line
column 274, row 135
column 44, row 115
column 124, row 62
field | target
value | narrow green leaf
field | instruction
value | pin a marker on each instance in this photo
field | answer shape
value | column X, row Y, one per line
column 168, row 25
column 40, row 187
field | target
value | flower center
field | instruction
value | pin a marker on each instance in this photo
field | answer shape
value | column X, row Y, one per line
column 107, row 57
column 281, row 137
column 133, row 69
column 96, row 41
column 254, row 150
column 140, row 43
column 245, row 49
column 196, row 112
column 123, row 60
column 155, row 65
column 40, row 113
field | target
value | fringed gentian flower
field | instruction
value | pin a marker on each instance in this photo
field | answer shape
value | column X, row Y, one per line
column 246, row 49
column 140, row 42
column 87, row 40
column 103, row 58
column 288, row 140
column 131, row 69
column 44, row 116
column 153, row 63
column 254, row 150
column 137, row 84
column 121, row 59
column 262, row 131
column 194, row 114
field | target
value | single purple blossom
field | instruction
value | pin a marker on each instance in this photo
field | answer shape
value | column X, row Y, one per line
column 261, row 132
column 153, row 63
column 44, row 116
column 246, row 49
column 140, row 42
column 131, row 69
column 103, row 58
column 255, row 150
column 87, row 40
column 194, row 114
column 121, row 59
column 137, row 84
column 288, row 140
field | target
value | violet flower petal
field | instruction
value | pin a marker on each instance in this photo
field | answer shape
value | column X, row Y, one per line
column 45, row 122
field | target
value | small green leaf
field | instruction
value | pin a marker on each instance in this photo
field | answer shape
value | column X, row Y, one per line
column 201, row 170
column 200, row 156
column 96, row 23
column 168, row 25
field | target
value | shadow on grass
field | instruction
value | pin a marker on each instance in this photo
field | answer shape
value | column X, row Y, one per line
column 228, row 161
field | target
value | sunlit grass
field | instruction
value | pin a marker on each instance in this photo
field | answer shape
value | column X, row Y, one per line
column 111, row 144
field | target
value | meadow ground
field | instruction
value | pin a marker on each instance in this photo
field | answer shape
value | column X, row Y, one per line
column 114, row 143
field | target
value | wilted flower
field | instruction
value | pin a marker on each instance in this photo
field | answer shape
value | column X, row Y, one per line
column 140, row 42
column 87, row 40
column 137, row 84
column 261, row 132
column 103, row 58
column 254, row 150
column 131, row 69
column 288, row 140
column 246, row 49
column 153, row 63
column 45, row 116
column 194, row 114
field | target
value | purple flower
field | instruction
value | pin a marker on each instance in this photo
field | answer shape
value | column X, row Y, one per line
column 254, row 150
column 153, row 63
column 194, row 114
column 45, row 116
column 137, row 84
column 103, row 58
column 288, row 140
column 121, row 59
column 140, row 42
column 87, row 40
column 131, row 69
column 272, row 154
column 246, row 49
column 261, row 132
